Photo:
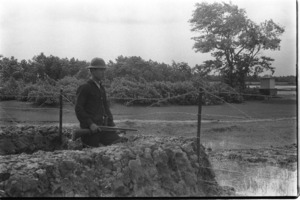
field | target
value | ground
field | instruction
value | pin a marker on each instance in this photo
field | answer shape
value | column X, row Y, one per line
column 252, row 146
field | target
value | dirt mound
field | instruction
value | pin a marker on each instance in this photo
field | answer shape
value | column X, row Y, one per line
column 29, row 139
column 143, row 166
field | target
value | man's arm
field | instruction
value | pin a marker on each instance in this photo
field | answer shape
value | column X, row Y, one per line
column 110, row 120
column 82, row 95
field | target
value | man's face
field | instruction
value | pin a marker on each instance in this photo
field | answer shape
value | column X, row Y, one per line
column 99, row 74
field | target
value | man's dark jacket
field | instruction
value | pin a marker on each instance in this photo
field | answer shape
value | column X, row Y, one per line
column 91, row 105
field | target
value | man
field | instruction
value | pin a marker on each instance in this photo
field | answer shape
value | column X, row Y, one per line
column 92, row 109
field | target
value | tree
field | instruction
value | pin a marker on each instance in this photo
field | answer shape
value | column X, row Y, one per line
column 181, row 71
column 9, row 67
column 234, row 41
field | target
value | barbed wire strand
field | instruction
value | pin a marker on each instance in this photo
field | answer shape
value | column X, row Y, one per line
column 144, row 98
column 68, row 100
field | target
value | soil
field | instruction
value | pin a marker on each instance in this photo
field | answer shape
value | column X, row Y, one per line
column 144, row 166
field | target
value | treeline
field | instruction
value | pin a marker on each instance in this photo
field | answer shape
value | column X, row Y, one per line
column 129, row 80
column 41, row 66
column 291, row 80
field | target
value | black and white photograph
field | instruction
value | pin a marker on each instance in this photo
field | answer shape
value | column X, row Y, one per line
column 149, row 99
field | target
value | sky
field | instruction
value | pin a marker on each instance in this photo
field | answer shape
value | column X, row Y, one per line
column 152, row 29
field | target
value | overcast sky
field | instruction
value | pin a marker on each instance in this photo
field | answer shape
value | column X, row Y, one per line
column 152, row 29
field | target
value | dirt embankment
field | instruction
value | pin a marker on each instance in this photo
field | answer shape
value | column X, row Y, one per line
column 28, row 139
column 143, row 166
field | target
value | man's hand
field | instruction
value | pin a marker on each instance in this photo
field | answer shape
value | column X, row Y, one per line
column 94, row 128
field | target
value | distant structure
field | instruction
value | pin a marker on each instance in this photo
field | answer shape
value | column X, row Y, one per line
column 267, row 86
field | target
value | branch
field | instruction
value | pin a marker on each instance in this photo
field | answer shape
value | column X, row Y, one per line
column 258, row 49
column 240, row 51
column 228, row 59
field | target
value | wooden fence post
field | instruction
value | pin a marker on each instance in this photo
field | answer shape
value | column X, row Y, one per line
column 199, row 122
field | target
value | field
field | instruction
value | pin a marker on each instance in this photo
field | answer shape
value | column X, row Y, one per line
column 252, row 146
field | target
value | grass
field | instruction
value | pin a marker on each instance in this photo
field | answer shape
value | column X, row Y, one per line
column 24, row 112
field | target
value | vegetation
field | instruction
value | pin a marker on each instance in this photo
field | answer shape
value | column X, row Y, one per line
column 234, row 41
column 129, row 80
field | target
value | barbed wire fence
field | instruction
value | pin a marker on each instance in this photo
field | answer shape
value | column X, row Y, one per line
column 158, row 100
column 202, row 90
column 245, row 116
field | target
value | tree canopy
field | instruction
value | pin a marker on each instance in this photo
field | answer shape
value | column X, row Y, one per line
column 234, row 41
column 40, row 67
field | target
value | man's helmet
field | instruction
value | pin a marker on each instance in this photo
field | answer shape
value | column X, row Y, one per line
column 97, row 63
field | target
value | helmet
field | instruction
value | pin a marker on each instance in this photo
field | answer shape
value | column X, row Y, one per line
column 97, row 63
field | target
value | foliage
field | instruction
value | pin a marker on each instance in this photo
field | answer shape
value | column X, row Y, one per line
column 9, row 68
column 234, row 41
column 39, row 68
column 131, row 92
column 136, row 68
column 10, row 89
column 69, row 86
column 24, row 94
column 130, row 80
column 289, row 79
column 44, row 93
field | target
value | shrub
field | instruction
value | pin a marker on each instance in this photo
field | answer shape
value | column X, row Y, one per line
column 183, row 93
column 69, row 85
column 44, row 93
column 24, row 94
column 218, row 93
column 227, row 93
column 11, row 89
column 132, row 92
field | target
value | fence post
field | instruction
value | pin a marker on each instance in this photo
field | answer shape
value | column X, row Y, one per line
column 199, row 123
column 60, row 113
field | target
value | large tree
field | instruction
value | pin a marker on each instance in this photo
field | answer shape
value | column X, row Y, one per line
column 234, row 41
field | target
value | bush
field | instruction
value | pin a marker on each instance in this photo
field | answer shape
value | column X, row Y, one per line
column 24, row 95
column 44, row 93
column 126, row 90
column 227, row 93
column 132, row 92
column 69, row 85
column 183, row 93
column 11, row 89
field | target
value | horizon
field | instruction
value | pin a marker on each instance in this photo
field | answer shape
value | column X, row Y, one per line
column 155, row 30
column 215, row 74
